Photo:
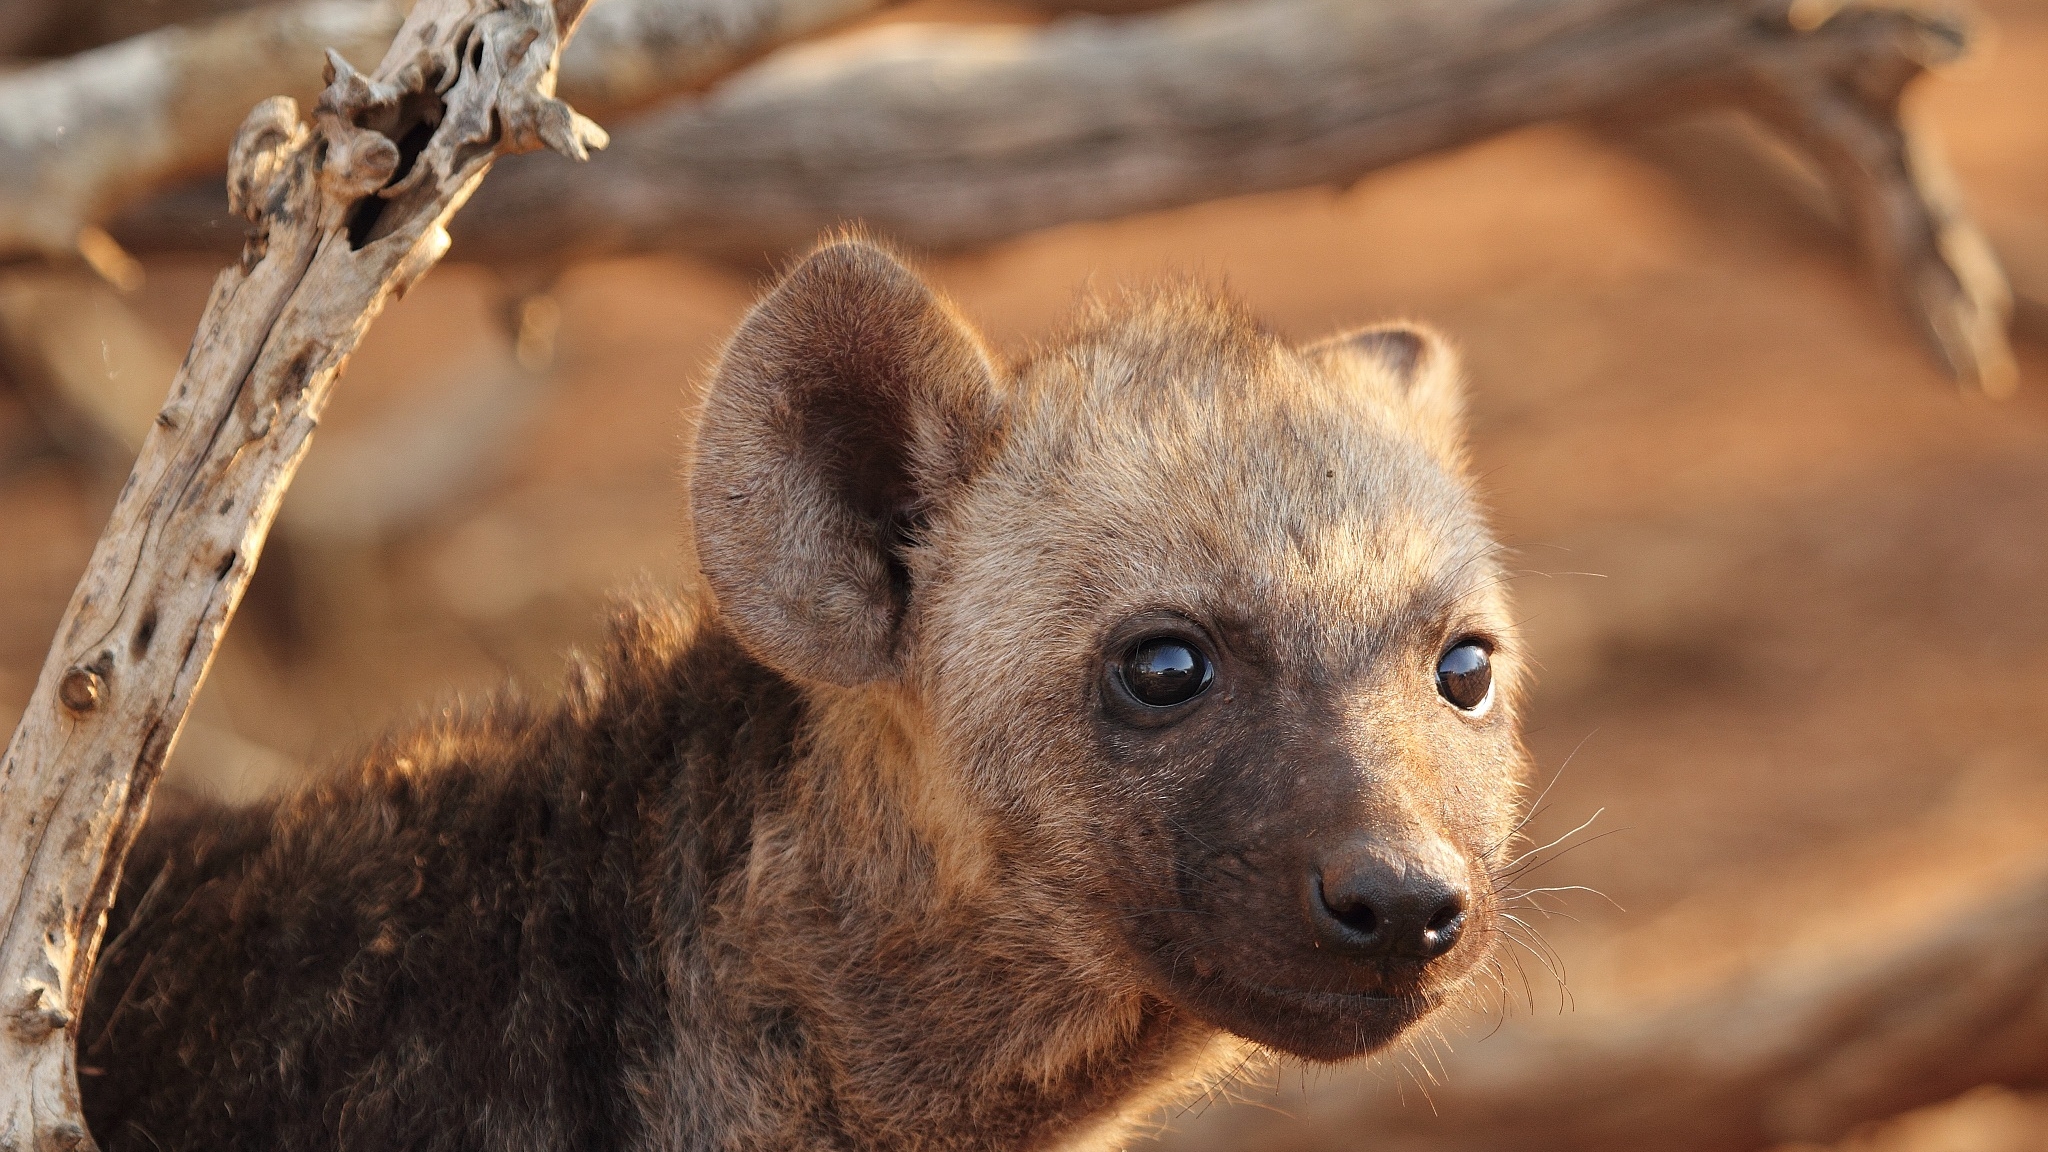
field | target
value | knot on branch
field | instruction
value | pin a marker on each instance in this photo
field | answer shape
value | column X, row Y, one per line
column 525, row 42
column 40, row 1010
column 499, row 85
column 262, row 152
column 394, row 149
column 359, row 160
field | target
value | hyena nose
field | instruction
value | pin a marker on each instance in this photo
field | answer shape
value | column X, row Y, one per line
column 1373, row 904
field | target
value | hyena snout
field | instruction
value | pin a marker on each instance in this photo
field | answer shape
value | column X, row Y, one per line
column 1375, row 901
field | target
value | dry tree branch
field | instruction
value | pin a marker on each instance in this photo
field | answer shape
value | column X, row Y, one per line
column 23, row 23
column 1840, row 107
column 97, row 373
column 33, row 27
column 636, row 51
column 348, row 211
column 84, row 136
column 948, row 137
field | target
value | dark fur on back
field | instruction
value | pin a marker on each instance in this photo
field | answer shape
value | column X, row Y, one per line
column 457, row 945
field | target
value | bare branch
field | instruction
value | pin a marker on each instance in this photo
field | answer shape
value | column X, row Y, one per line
column 24, row 23
column 82, row 137
column 948, row 137
column 349, row 211
column 66, row 27
column 636, row 51
column 1841, row 107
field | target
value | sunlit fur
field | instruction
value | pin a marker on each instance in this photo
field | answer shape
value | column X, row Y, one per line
column 853, row 847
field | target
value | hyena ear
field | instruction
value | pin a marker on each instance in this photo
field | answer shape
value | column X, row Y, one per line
column 1413, row 367
column 851, row 403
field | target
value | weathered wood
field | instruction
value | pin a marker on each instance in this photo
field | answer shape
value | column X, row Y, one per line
column 953, row 136
column 349, row 211
column 82, row 137
column 947, row 137
column 637, row 51
column 33, row 24
column 1839, row 105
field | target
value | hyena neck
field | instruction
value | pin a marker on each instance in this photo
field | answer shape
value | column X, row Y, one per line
column 926, row 993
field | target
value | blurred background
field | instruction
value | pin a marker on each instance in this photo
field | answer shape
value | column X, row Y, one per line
column 1787, row 582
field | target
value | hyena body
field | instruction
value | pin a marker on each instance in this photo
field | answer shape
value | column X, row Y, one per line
column 1044, row 739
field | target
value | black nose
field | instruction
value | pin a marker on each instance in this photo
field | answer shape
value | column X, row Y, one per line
column 1373, row 903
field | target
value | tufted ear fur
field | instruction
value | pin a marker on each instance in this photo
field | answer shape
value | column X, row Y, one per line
column 851, row 403
column 1412, row 366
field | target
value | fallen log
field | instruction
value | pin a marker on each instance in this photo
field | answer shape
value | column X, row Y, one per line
column 348, row 212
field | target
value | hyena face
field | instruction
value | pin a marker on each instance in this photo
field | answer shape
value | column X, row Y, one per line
column 1198, row 639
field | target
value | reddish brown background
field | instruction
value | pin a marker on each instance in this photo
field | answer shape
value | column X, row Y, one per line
column 1789, row 589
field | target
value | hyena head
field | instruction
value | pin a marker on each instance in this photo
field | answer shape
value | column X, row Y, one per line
column 1195, row 638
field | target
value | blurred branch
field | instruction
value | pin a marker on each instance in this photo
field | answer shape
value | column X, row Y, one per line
column 93, row 369
column 24, row 23
column 948, row 136
column 631, row 52
column 1839, row 104
column 97, row 374
column 345, row 218
column 84, row 136
column 32, row 28
column 48, row 28
column 953, row 136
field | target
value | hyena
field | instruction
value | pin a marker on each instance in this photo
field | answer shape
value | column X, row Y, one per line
column 1042, row 738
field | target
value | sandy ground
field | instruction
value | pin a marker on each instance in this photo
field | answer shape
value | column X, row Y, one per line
column 1789, row 590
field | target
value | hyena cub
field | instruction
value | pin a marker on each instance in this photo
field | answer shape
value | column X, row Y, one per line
column 1044, row 732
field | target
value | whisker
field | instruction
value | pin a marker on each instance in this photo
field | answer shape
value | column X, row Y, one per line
column 1524, row 869
column 1536, row 805
column 1526, row 893
column 1583, row 825
column 1546, row 956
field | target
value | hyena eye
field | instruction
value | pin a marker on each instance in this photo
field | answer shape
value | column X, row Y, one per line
column 1464, row 675
column 1164, row 671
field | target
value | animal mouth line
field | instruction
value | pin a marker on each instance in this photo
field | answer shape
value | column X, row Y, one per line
column 1379, row 998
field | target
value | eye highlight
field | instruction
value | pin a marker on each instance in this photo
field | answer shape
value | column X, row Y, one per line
column 1164, row 671
column 1464, row 674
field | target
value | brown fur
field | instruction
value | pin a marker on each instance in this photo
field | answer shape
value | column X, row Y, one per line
column 859, row 848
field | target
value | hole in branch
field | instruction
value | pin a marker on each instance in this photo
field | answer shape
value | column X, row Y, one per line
column 145, row 632
column 413, row 127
